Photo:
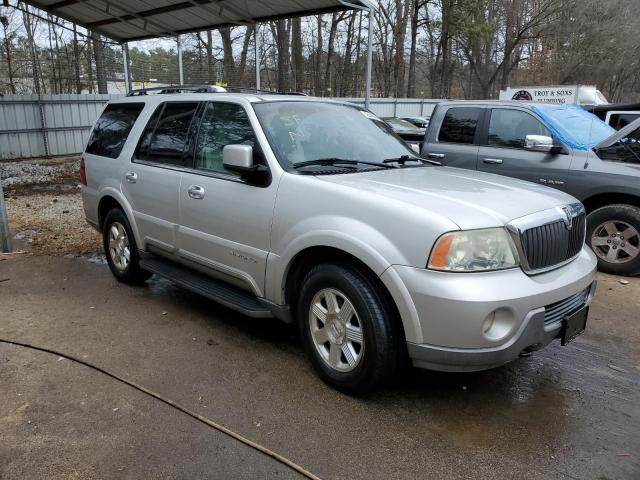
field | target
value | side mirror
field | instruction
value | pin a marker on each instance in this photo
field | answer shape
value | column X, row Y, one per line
column 539, row 143
column 238, row 158
column 415, row 148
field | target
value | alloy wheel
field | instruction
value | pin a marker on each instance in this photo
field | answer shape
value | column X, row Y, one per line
column 336, row 331
column 616, row 242
column 119, row 250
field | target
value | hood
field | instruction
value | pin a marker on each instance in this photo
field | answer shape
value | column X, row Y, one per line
column 468, row 198
column 619, row 134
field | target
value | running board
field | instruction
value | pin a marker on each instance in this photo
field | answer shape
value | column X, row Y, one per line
column 216, row 290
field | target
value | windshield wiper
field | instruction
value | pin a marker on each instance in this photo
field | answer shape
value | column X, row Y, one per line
column 402, row 159
column 336, row 161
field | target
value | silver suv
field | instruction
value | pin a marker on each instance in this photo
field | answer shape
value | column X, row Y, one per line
column 315, row 212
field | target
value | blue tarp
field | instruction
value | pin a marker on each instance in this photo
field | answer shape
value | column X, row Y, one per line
column 573, row 125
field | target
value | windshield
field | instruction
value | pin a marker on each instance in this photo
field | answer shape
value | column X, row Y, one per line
column 306, row 131
column 574, row 126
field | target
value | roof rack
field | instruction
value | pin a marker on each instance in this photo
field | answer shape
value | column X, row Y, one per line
column 205, row 89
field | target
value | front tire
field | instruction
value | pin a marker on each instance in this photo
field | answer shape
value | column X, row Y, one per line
column 613, row 233
column 121, row 249
column 349, row 327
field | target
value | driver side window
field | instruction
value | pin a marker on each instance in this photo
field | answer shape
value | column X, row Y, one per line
column 222, row 124
column 509, row 128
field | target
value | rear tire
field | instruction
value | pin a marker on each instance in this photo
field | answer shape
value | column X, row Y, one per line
column 121, row 249
column 349, row 327
column 613, row 233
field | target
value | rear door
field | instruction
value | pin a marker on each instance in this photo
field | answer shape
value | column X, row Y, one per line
column 151, row 184
column 502, row 150
column 225, row 222
column 455, row 143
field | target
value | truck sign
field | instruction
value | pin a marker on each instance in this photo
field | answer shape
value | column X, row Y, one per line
column 560, row 94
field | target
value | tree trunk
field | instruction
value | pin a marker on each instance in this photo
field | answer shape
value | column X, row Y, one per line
column 296, row 54
column 101, row 71
column 355, row 89
column 411, row 82
column 209, row 56
column 7, row 46
column 346, row 68
column 76, row 61
column 399, row 35
column 335, row 19
column 26, row 17
column 240, row 69
column 318, row 58
column 283, row 55
column 89, row 59
column 227, row 56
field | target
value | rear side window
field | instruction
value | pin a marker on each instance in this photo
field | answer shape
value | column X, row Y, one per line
column 112, row 129
column 509, row 128
column 459, row 125
column 166, row 138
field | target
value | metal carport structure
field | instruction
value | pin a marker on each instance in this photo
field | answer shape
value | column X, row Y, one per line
column 124, row 21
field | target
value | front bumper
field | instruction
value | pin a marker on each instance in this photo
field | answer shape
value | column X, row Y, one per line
column 477, row 321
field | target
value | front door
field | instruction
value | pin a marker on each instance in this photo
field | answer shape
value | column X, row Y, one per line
column 225, row 223
column 503, row 151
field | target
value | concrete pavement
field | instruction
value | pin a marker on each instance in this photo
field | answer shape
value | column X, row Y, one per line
column 564, row 412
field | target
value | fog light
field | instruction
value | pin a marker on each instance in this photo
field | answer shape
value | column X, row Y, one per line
column 498, row 324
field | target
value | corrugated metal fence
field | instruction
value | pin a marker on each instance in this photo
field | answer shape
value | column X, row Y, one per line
column 50, row 125
column 47, row 125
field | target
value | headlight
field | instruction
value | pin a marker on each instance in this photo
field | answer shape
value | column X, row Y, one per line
column 473, row 251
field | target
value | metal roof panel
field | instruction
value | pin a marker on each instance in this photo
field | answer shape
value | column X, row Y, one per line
column 123, row 20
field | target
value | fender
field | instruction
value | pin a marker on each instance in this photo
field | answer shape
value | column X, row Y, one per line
column 278, row 266
column 347, row 234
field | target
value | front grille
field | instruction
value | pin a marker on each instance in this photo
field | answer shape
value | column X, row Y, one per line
column 558, row 310
column 553, row 243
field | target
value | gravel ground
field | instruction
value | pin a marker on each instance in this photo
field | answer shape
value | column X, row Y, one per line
column 45, row 208
column 40, row 174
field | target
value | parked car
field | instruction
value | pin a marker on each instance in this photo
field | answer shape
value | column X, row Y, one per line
column 420, row 122
column 314, row 212
column 406, row 130
column 618, row 115
column 562, row 146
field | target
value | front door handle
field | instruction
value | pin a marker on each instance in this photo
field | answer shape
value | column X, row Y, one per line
column 132, row 177
column 493, row 161
column 435, row 155
column 196, row 191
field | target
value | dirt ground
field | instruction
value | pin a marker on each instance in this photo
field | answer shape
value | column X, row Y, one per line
column 45, row 209
column 563, row 413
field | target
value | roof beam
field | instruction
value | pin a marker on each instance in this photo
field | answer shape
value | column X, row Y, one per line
column 164, row 29
column 140, row 15
column 62, row 4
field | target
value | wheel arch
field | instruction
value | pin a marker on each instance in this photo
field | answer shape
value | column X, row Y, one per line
column 111, row 199
column 310, row 257
column 600, row 200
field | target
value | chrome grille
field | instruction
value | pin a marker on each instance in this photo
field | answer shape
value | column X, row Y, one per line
column 553, row 242
column 558, row 310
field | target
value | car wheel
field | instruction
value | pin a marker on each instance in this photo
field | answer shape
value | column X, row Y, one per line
column 121, row 250
column 613, row 233
column 349, row 328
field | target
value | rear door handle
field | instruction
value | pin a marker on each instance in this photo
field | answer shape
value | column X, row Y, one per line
column 493, row 161
column 132, row 177
column 435, row 155
column 196, row 191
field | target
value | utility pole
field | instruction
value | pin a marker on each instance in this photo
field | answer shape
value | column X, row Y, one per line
column 5, row 240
